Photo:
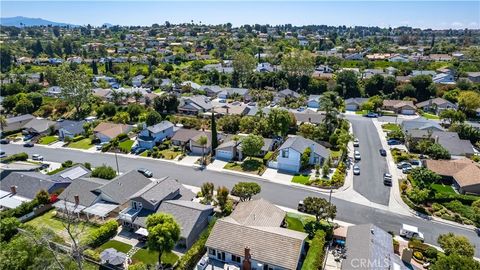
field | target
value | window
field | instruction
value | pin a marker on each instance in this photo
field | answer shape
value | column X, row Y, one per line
column 236, row 258
column 212, row 251
column 285, row 153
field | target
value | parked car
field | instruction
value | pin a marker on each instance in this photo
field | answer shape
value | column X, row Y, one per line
column 27, row 137
column 356, row 155
column 406, row 170
column 28, row 144
column 393, row 142
column 356, row 143
column 409, row 232
column 372, row 115
column 477, row 230
column 3, row 154
column 356, row 169
column 387, row 179
column 100, row 145
column 383, row 153
column 416, row 163
column 403, row 164
column 203, row 263
column 37, row 157
column 301, row 206
column 145, row 172
column 4, row 141
column 43, row 166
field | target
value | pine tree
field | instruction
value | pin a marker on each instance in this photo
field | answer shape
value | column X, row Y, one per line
column 94, row 67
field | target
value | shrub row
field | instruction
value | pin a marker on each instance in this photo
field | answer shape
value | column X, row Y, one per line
column 20, row 210
column 414, row 206
column 101, row 235
column 195, row 253
column 16, row 157
column 104, row 172
column 315, row 255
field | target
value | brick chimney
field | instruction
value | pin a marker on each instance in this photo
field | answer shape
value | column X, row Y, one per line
column 13, row 189
column 77, row 199
column 247, row 264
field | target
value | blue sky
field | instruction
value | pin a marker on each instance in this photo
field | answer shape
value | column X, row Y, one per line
column 423, row 14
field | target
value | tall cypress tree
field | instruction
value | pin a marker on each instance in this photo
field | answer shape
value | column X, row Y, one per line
column 214, row 133
column 94, row 67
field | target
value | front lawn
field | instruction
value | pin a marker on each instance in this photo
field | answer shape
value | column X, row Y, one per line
column 391, row 127
column 49, row 221
column 151, row 257
column 82, row 144
column 296, row 222
column 119, row 246
column 301, row 179
column 126, row 146
column 169, row 153
column 430, row 116
column 440, row 188
column 249, row 165
column 47, row 140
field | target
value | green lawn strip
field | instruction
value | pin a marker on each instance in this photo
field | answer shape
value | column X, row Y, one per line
column 296, row 222
column 361, row 112
column 49, row 221
column 47, row 140
column 151, row 257
column 301, row 179
column 57, row 170
column 82, row 144
column 430, row 116
column 391, row 127
column 253, row 165
column 443, row 188
column 169, row 154
column 119, row 246
column 126, row 145
column 144, row 153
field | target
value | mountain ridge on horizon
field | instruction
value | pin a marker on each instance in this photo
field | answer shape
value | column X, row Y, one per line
column 21, row 21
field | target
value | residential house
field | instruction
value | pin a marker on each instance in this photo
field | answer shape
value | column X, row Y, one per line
column 194, row 105
column 149, row 136
column 70, row 128
column 188, row 139
column 368, row 73
column 324, row 69
column 16, row 122
column 106, row 131
column 423, row 72
column 252, row 236
column 19, row 187
column 436, row 105
column 308, row 116
column 38, row 126
column 227, row 93
column 354, row 104
column 369, row 247
column 449, row 140
column 473, row 77
column 391, row 71
column 17, row 166
column 212, row 90
column 444, row 78
column 420, row 123
column 286, row 93
column 398, row 59
column 464, row 174
column 168, row 196
column 234, row 108
column 290, row 152
column 314, row 101
column 265, row 67
column 231, row 149
column 54, row 91
column 400, row 106
column 354, row 56
column 137, row 80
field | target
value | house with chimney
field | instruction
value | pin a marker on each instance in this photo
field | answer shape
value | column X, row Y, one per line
column 253, row 237
column 290, row 153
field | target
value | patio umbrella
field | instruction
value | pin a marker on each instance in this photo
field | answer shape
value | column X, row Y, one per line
column 117, row 258
column 107, row 254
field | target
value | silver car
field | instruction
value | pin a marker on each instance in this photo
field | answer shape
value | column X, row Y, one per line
column 356, row 169
column 37, row 157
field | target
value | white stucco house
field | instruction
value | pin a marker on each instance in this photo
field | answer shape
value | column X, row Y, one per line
column 290, row 152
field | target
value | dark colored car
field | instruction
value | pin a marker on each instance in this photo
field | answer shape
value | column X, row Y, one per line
column 477, row 230
column 28, row 144
column 393, row 142
column 4, row 141
column 145, row 172
column 383, row 153
column 44, row 166
column 387, row 179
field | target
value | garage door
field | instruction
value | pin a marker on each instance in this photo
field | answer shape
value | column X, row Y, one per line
column 351, row 107
column 408, row 112
column 223, row 155
column 288, row 167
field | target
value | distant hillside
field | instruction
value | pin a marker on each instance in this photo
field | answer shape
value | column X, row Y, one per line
column 20, row 21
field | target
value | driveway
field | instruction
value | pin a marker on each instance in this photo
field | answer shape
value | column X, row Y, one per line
column 372, row 166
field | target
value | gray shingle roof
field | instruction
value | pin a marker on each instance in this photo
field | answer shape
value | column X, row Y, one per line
column 39, row 125
column 299, row 144
column 160, row 126
column 157, row 191
column 84, row 188
column 27, row 183
column 420, row 123
column 73, row 127
column 23, row 117
column 122, row 187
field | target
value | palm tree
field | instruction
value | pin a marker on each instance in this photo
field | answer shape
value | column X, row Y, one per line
column 137, row 95
column 203, row 142
column 127, row 96
column 116, row 97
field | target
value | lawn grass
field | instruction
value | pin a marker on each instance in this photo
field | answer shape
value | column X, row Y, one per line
column 126, row 146
column 119, row 246
column 430, row 116
column 296, row 221
column 391, row 127
column 82, row 144
column 144, row 153
column 47, row 140
column 249, row 165
column 361, row 112
column 170, row 154
column 57, row 170
column 301, row 179
column 151, row 257
column 335, row 154
column 440, row 188
column 49, row 221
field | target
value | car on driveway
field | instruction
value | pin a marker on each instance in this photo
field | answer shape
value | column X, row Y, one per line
column 28, row 144
column 407, row 169
column 403, row 164
column 416, row 163
column 372, row 115
column 356, row 143
column 356, row 155
column 145, row 172
column 3, row 154
column 387, row 179
column 37, row 157
column 44, row 166
column 356, row 169
column 4, row 141
column 383, row 153
column 393, row 142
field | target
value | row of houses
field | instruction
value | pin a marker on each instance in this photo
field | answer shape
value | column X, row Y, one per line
column 406, row 107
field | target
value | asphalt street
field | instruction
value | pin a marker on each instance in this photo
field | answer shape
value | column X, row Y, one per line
column 372, row 166
column 279, row 194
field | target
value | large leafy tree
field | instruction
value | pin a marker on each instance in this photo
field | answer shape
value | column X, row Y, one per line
column 320, row 208
column 424, row 87
column 166, row 103
column 75, row 86
column 456, row 244
column 452, row 116
column 243, row 65
column 455, row 262
column 163, row 233
column 468, row 101
column 252, row 145
column 424, row 177
column 298, row 65
column 279, row 121
column 153, row 118
column 347, row 84
column 246, row 190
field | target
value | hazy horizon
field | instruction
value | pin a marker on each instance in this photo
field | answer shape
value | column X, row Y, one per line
column 418, row 14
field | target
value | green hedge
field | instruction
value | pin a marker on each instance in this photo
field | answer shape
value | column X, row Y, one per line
column 20, row 210
column 195, row 253
column 16, row 157
column 104, row 172
column 102, row 234
column 414, row 206
column 77, row 138
column 447, row 197
column 315, row 255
